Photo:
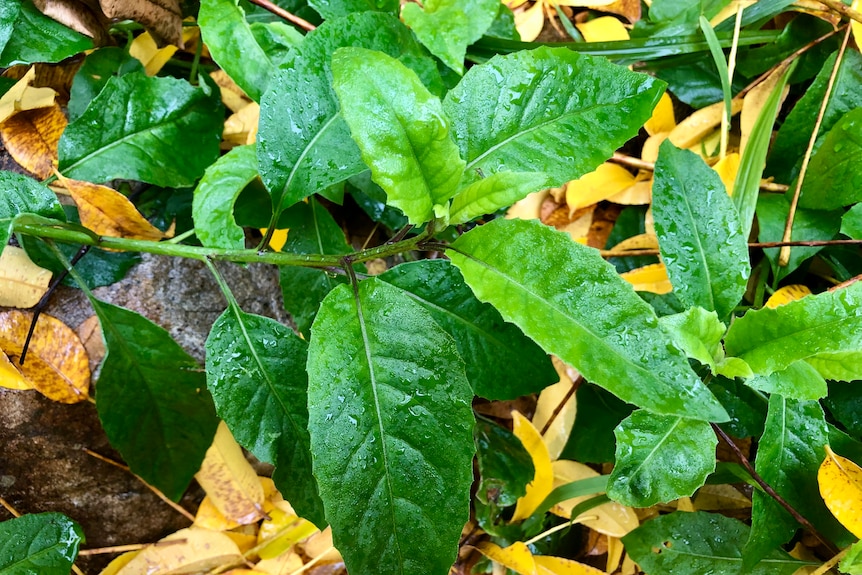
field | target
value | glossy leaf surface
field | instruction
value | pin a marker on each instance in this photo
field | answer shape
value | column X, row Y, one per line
column 35, row 37
column 502, row 363
column 43, row 543
column 694, row 543
column 401, row 130
column 162, row 131
column 23, row 195
column 330, row 9
column 256, row 374
column 391, row 431
column 504, row 465
column 799, row 380
column 834, row 179
column 699, row 234
column 660, row 458
column 575, row 306
column 152, row 400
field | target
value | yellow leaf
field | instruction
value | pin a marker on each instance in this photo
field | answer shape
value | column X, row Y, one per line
column 108, row 212
column 645, row 241
column 549, row 401
column 649, row 152
column 241, row 127
column 244, row 541
column 662, row 119
column 56, row 363
column 284, row 564
column 530, row 208
column 10, row 377
column 23, row 96
column 692, row 130
column 726, row 169
column 615, row 554
column 278, row 239
column 280, row 532
column 232, row 95
column 652, row 278
column 840, row 483
column 320, row 544
column 855, row 26
column 603, row 29
column 151, row 56
column 611, row 518
column 720, row 497
column 684, row 504
column 529, row 22
column 230, row 480
column 32, row 138
column 600, row 184
column 202, row 550
column 519, row 559
column 114, row 566
column 22, row 283
column 209, row 517
column 546, row 565
column 787, row 294
column 754, row 101
column 543, row 480
column 584, row 3
column 637, row 194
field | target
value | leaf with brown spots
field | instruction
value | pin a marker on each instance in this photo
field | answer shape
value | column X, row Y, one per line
column 162, row 18
column 22, row 283
column 31, row 137
column 56, row 364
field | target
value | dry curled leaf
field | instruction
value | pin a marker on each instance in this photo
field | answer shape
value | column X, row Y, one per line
column 32, row 136
column 56, row 364
column 83, row 17
column 22, row 283
column 162, row 18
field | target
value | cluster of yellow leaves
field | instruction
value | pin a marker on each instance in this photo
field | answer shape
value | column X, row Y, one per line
column 530, row 18
column 242, row 527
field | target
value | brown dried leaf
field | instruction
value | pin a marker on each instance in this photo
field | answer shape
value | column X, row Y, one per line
column 162, row 18
column 628, row 9
column 90, row 332
column 77, row 15
column 22, row 283
column 56, row 364
column 31, row 137
column 108, row 212
column 23, row 96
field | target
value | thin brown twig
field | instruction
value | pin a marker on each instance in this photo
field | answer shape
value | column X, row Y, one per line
column 279, row 11
column 8, row 507
column 178, row 508
column 784, row 256
column 131, row 547
column 770, row 491
column 77, row 570
column 843, row 9
column 572, row 389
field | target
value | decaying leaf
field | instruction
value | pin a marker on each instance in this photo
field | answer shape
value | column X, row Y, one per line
column 726, row 168
column 628, row 9
column 647, row 241
column 720, row 497
column 22, row 283
column 162, row 18
column 284, row 564
column 840, row 482
column 754, row 101
column 202, row 550
column 232, row 95
column 281, row 531
column 652, row 278
column 637, row 194
column 662, row 119
column 693, row 129
column 114, row 566
column 230, row 480
column 519, row 559
column 23, row 96
column 241, row 127
column 787, row 294
column 107, row 212
column 56, row 363
column 32, row 136
column 81, row 16
column 90, row 332
column 543, row 480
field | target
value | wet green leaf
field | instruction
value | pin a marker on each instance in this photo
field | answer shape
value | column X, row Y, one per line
column 98, row 67
column 162, row 131
column 391, row 431
column 498, row 126
column 699, row 232
column 694, row 543
column 152, row 400
column 698, row 333
column 844, row 403
column 277, row 40
column 592, row 438
column 34, row 37
column 771, row 339
column 23, row 195
column 256, row 374
column 216, row 195
column 834, row 179
column 233, row 46
column 447, row 27
column 575, row 306
column 502, row 363
column 505, row 467
column 401, row 130
column 747, row 408
column 330, row 9
column 851, row 222
column 8, row 15
column 660, row 458
column 799, row 380
column 43, row 544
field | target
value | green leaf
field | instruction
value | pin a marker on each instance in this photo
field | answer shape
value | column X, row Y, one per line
column 256, row 374
column 502, row 363
column 746, row 186
column 698, row 333
column 852, row 562
column 23, row 195
column 851, row 222
column 43, row 544
column 277, row 40
column 834, row 179
column 216, row 194
column 330, row 9
column 788, row 456
column 747, row 408
column 795, row 132
column 844, row 403
column 401, row 131
column 507, row 109
column 699, row 233
column 304, row 146
column 391, row 431
column 98, row 67
column 810, row 224
column 771, row 339
column 505, row 467
column 312, row 231
column 799, row 380
column 592, row 438
column 694, row 543
column 233, row 46
column 660, row 458
column 162, row 131
column 838, row 366
column 35, row 37
column 489, row 194
column 575, row 306
column 152, row 400
column 720, row 64
column 447, row 27
column 8, row 15
column 676, row 17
